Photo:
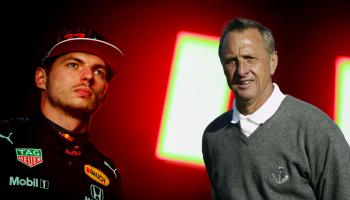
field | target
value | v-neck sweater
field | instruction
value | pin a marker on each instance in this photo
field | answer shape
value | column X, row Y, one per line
column 299, row 153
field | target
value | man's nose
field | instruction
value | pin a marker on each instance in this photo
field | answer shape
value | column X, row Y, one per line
column 243, row 67
column 87, row 74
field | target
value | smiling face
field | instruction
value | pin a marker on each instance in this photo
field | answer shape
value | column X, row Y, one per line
column 248, row 68
column 75, row 84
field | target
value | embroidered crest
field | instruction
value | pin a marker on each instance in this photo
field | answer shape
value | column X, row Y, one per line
column 280, row 176
column 29, row 156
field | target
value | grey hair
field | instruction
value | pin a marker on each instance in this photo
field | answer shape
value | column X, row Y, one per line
column 241, row 24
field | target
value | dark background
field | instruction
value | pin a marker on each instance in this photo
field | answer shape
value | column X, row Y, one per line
column 309, row 35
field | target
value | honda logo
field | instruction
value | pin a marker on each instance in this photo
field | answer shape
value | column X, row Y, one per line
column 96, row 192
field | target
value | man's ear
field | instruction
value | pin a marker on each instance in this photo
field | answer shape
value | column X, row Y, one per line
column 273, row 62
column 40, row 78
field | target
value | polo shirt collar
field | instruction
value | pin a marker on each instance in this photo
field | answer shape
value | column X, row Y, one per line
column 265, row 111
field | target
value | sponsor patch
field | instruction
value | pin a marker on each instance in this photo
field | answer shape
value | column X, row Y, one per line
column 96, row 175
column 29, row 182
column 29, row 156
column 96, row 193
column 113, row 170
column 7, row 137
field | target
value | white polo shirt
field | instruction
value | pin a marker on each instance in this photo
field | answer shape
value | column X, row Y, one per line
column 249, row 123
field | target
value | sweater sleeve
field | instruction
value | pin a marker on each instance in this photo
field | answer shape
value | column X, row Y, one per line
column 329, row 159
column 207, row 162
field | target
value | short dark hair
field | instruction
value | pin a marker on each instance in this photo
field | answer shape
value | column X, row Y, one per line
column 241, row 24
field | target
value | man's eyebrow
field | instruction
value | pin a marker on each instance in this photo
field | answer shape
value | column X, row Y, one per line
column 228, row 57
column 72, row 58
column 103, row 66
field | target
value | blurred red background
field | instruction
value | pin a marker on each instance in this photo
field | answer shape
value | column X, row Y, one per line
column 308, row 38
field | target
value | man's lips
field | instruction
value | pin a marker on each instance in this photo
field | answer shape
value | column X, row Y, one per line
column 243, row 83
column 83, row 91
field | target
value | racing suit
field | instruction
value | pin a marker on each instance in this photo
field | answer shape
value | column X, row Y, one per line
column 39, row 163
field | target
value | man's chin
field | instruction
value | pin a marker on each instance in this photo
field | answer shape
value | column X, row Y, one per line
column 80, row 112
column 244, row 97
column 243, row 94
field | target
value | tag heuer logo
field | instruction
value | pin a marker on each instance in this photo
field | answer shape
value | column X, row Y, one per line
column 29, row 156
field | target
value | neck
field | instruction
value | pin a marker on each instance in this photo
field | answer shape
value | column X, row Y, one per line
column 72, row 123
column 247, row 107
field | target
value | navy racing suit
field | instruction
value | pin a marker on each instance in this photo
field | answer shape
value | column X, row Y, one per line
column 39, row 163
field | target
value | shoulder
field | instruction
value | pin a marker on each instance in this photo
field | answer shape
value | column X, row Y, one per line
column 12, row 129
column 102, row 160
column 311, row 119
column 304, row 110
column 219, row 122
column 298, row 104
column 97, row 154
column 7, row 124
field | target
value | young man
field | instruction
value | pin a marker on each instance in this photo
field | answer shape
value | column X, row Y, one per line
column 49, row 155
column 270, row 145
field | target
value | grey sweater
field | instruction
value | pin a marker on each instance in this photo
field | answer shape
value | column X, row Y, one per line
column 299, row 153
